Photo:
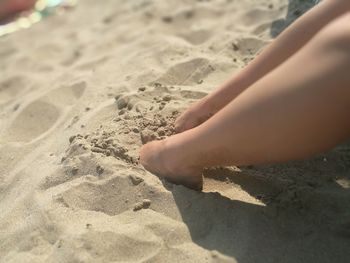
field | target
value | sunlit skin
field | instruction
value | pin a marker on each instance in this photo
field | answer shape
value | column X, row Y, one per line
column 291, row 102
column 9, row 8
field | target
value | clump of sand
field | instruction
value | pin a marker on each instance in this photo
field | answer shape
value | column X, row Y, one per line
column 81, row 91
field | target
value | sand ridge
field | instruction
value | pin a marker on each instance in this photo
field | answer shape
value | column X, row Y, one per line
column 81, row 91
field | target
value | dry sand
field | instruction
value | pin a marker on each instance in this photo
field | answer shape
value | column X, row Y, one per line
column 81, row 91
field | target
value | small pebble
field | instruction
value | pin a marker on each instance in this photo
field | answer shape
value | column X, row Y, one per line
column 117, row 97
column 235, row 46
column 167, row 19
column 74, row 170
column 99, row 169
column 16, row 107
column 109, row 141
column 71, row 139
column 97, row 150
column 146, row 203
column 297, row 12
column 135, row 130
column 122, row 103
column 167, row 98
column 138, row 206
column 135, row 179
column 161, row 132
column 189, row 14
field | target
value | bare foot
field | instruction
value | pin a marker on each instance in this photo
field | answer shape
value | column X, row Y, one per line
column 195, row 115
column 162, row 159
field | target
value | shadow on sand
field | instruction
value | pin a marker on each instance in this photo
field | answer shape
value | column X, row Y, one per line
column 305, row 211
column 305, row 216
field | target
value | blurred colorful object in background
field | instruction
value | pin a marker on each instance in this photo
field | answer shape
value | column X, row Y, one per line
column 25, row 19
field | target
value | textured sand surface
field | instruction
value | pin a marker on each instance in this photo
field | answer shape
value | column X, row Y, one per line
column 79, row 94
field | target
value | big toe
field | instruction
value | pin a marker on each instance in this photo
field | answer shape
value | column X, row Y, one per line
column 179, row 124
column 184, row 126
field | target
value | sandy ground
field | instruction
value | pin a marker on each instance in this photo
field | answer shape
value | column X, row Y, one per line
column 79, row 94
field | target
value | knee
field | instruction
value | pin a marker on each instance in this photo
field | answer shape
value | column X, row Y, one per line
column 336, row 35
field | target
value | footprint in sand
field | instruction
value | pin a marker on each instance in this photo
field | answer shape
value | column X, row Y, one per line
column 249, row 45
column 247, row 48
column 92, row 64
column 128, row 194
column 128, row 243
column 111, row 192
column 11, row 87
column 187, row 73
column 36, row 118
column 133, row 244
column 187, row 17
column 196, row 37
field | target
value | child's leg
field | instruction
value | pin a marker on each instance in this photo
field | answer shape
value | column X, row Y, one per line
column 289, row 42
column 299, row 109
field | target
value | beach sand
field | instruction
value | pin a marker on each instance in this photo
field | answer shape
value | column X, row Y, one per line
column 82, row 90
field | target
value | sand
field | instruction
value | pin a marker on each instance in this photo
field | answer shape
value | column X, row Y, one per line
column 81, row 91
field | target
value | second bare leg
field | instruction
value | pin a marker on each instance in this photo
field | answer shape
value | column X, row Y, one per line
column 287, row 44
column 299, row 109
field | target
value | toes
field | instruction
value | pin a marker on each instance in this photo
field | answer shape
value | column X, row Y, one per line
column 179, row 129
column 179, row 126
column 183, row 124
column 178, row 123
